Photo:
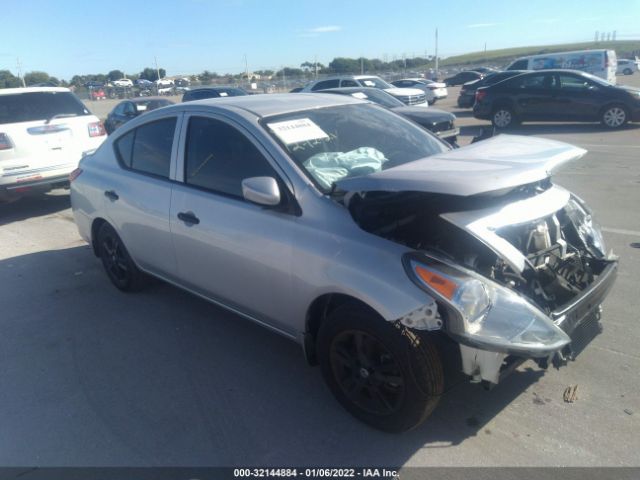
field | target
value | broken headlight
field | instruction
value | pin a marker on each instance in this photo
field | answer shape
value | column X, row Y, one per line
column 586, row 228
column 483, row 314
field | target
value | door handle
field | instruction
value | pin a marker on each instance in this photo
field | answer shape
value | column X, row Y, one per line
column 111, row 195
column 189, row 218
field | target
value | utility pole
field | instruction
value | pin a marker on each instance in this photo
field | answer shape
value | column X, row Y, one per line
column 485, row 47
column 284, row 78
column 19, row 66
column 361, row 66
column 246, row 67
column 315, row 66
column 436, row 54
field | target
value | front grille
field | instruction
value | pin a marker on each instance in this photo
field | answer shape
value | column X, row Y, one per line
column 584, row 333
column 413, row 99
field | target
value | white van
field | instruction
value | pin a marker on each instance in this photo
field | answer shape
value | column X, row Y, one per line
column 601, row 63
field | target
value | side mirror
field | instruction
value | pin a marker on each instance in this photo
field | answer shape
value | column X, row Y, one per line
column 261, row 190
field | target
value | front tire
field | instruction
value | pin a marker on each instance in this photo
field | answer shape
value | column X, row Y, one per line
column 627, row 71
column 384, row 375
column 117, row 262
column 614, row 116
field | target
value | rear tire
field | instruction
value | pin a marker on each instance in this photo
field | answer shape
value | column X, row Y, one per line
column 385, row 376
column 117, row 262
column 503, row 117
column 614, row 116
column 628, row 71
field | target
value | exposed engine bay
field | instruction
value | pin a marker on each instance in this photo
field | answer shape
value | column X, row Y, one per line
column 559, row 254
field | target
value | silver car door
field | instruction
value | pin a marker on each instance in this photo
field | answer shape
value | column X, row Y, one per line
column 138, row 195
column 228, row 249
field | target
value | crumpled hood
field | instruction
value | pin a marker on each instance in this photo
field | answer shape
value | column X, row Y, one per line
column 501, row 162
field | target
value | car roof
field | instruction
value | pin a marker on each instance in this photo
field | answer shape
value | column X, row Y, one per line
column 267, row 105
column 8, row 91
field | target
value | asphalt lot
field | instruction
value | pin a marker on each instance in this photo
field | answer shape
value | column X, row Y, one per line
column 94, row 377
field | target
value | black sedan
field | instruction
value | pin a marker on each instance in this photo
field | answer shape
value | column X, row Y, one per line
column 212, row 92
column 463, row 77
column 467, row 96
column 129, row 109
column 557, row 95
column 439, row 122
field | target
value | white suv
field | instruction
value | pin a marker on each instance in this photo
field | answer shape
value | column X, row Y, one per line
column 44, row 132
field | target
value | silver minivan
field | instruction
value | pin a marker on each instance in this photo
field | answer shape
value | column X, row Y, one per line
column 384, row 253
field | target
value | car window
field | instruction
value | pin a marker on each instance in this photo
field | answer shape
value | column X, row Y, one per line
column 572, row 82
column 520, row 65
column 129, row 109
column 119, row 110
column 534, row 82
column 326, row 84
column 30, row 106
column 218, row 157
column 349, row 83
column 147, row 149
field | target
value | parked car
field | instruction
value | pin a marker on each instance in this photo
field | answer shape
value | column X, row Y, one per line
column 467, row 96
column 557, row 95
column 130, row 109
column 357, row 234
column 408, row 96
column 97, row 94
column 601, row 63
column 440, row 123
column 626, row 67
column 44, row 132
column 144, row 84
column 123, row 82
column 463, row 77
column 212, row 92
column 434, row 90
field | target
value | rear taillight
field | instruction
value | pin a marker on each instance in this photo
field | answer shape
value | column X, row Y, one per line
column 480, row 94
column 75, row 174
column 96, row 129
column 5, row 142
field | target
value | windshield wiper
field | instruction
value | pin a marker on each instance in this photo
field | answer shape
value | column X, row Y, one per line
column 60, row 115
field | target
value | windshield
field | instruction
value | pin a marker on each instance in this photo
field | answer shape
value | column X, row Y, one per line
column 30, row 106
column 333, row 143
column 374, row 82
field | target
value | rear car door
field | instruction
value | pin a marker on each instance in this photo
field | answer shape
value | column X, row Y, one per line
column 228, row 249
column 138, row 195
column 533, row 95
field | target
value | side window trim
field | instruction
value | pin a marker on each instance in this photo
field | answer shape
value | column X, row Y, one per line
column 174, row 148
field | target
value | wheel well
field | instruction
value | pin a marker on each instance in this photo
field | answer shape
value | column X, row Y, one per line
column 95, row 227
column 613, row 104
column 318, row 312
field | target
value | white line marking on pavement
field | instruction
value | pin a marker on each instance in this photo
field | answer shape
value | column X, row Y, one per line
column 621, row 231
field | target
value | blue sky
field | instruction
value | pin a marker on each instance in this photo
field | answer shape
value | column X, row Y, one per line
column 68, row 37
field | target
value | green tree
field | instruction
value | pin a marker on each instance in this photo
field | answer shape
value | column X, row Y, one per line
column 115, row 75
column 151, row 74
column 344, row 65
column 35, row 77
column 9, row 80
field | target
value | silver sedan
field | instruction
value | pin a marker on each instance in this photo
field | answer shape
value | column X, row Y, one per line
column 334, row 222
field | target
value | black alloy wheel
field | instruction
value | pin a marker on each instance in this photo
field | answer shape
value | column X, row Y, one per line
column 117, row 262
column 382, row 373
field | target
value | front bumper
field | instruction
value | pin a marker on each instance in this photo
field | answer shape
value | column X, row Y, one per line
column 448, row 134
column 580, row 319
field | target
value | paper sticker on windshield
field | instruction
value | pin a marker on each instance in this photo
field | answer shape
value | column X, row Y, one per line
column 359, row 95
column 224, row 94
column 296, row 131
column 369, row 83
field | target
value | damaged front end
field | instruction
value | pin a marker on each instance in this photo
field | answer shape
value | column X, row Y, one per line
column 515, row 274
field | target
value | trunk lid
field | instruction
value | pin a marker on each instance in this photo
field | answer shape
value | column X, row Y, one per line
column 499, row 163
